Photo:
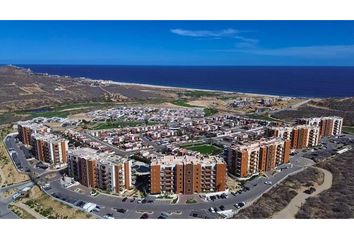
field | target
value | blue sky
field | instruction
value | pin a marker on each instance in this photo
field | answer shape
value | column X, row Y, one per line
column 178, row 42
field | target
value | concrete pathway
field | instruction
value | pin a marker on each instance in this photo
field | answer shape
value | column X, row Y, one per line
column 293, row 207
column 29, row 210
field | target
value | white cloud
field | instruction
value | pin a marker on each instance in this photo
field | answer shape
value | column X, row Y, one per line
column 229, row 32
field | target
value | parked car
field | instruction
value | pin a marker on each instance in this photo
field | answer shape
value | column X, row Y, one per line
column 224, row 195
column 222, row 208
column 241, row 204
column 212, row 210
column 124, row 199
column 144, row 216
column 268, row 182
column 108, row 216
column 121, row 210
column 165, row 214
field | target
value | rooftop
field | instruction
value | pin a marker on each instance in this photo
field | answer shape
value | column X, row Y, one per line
column 187, row 159
column 92, row 154
column 50, row 138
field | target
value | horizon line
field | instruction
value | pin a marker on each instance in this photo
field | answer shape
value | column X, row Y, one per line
column 163, row 65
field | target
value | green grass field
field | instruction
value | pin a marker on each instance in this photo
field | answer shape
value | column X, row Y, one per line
column 182, row 103
column 206, row 149
column 197, row 94
column 347, row 129
column 210, row 111
column 262, row 117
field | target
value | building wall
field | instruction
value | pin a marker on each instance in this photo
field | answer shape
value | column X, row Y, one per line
column 221, row 176
column 88, row 172
column 326, row 127
column 263, row 158
column 155, row 179
column 197, row 178
column 188, row 178
column 127, row 175
column 286, row 155
column 179, row 176
column 243, row 166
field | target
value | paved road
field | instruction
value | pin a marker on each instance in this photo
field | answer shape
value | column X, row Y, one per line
column 181, row 210
column 4, row 203
column 19, row 158
column 257, row 188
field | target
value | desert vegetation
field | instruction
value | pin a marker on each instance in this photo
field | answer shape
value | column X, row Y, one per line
column 280, row 196
column 338, row 201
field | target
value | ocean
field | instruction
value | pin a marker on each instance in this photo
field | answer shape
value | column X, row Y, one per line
column 283, row 81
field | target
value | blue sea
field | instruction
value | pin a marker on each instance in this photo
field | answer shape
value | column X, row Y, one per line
column 284, row 81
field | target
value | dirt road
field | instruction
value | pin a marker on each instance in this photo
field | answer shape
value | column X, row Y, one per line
column 293, row 207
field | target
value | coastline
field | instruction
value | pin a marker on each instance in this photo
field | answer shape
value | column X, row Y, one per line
column 105, row 81
column 190, row 89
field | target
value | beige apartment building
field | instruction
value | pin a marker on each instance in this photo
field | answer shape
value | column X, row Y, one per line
column 50, row 148
column 187, row 174
column 108, row 172
column 329, row 126
column 300, row 136
column 27, row 128
column 247, row 159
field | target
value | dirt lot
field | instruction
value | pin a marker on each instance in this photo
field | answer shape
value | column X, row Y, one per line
column 280, row 196
column 21, row 212
column 51, row 208
column 327, row 107
column 338, row 201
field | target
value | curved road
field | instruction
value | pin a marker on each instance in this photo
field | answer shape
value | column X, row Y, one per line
column 295, row 204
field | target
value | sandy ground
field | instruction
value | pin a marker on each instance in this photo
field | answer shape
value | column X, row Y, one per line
column 293, row 207
column 8, row 193
column 210, row 102
column 80, row 116
column 9, row 173
column 21, row 212
column 232, row 185
column 60, row 210
column 29, row 210
column 2, row 177
column 169, row 105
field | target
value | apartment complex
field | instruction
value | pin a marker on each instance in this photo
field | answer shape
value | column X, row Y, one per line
column 300, row 136
column 50, row 148
column 105, row 171
column 187, row 174
column 27, row 128
column 329, row 126
column 247, row 159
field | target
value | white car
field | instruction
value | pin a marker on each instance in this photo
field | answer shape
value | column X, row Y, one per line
column 212, row 210
column 268, row 182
